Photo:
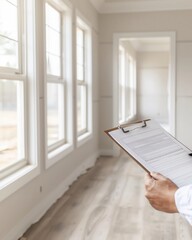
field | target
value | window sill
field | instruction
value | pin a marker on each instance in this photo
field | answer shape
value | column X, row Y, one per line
column 15, row 181
column 58, row 154
column 83, row 138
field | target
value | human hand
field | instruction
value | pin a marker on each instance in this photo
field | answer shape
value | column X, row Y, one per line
column 160, row 192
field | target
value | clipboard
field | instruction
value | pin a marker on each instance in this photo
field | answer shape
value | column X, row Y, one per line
column 124, row 127
column 154, row 149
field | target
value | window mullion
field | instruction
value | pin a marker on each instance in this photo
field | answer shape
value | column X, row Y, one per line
column 81, row 83
column 12, row 77
column 55, row 80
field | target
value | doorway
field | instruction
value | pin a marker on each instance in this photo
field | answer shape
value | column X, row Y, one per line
column 154, row 98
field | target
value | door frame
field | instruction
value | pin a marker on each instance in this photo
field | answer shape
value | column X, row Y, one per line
column 172, row 77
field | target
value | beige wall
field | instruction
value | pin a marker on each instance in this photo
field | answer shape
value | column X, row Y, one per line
column 152, row 85
column 22, row 208
column 178, row 21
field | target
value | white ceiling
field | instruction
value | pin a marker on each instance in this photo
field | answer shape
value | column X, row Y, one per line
column 119, row 6
column 160, row 44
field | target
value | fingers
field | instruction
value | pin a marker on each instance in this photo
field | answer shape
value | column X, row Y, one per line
column 149, row 182
column 157, row 176
column 148, row 177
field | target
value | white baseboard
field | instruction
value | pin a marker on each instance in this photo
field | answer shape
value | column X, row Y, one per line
column 36, row 213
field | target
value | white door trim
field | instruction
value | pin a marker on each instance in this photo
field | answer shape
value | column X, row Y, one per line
column 172, row 80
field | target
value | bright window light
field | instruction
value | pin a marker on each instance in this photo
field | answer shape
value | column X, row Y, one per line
column 9, row 34
column 127, row 85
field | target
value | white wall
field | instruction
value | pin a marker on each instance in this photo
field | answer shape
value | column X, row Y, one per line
column 25, row 206
column 152, row 83
column 178, row 21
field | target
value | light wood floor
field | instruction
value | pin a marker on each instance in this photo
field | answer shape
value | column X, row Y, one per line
column 108, row 203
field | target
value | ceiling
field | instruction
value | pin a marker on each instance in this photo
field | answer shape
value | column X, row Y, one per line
column 120, row 6
column 152, row 44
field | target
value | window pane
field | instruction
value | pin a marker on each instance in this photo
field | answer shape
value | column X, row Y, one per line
column 11, row 123
column 53, row 18
column 53, row 42
column 120, row 103
column 80, row 55
column 53, row 65
column 80, row 37
column 80, row 72
column 8, row 20
column 8, row 53
column 55, row 113
column 81, row 108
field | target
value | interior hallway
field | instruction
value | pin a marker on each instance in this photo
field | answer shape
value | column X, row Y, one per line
column 108, row 203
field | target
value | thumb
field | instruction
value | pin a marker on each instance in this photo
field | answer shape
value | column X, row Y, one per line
column 157, row 176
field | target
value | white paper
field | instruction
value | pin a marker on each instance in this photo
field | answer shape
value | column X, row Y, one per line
column 157, row 151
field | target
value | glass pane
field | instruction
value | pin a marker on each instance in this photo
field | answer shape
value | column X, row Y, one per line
column 53, row 65
column 8, row 20
column 80, row 55
column 8, row 53
column 53, row 18
column 80, row 37
column 11, row 119
column 81, row 109
column 53, row 42
column 122, row 86
column 120, row 103
column 80, row 72
column 55, row 113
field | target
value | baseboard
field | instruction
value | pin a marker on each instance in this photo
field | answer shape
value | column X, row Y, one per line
column 36, row 213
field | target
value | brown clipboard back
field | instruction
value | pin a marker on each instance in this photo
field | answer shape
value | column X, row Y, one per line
column 122, row 126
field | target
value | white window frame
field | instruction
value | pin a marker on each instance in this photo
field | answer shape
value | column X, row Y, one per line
column 17, row 176
column 85, row 135
column 12, row 74
column 60, row 149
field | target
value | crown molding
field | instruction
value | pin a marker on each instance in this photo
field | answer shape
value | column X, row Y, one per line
column 141, row 6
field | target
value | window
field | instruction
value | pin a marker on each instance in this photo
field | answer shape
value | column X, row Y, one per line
column 12, row 88
column 122, row 83
column 57, row 68
column 127, row 85
column 83, row 75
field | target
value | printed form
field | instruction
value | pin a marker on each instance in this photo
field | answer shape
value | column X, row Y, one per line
column 157, row 151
